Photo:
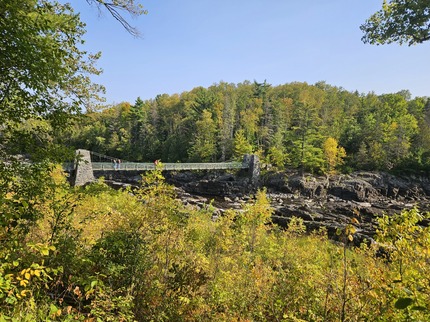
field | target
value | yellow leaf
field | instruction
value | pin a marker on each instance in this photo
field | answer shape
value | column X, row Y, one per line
column 77, row 291
column 355, row 221
column 27, row 276
column 350, row 229
column 373, row 294
column 350, row 238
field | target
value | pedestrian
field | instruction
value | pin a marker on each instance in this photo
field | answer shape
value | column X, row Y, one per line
column 114, row 164
column 119, row 164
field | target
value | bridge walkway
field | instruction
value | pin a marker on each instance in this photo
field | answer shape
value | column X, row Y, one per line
column 83, row 169
column 137, row 166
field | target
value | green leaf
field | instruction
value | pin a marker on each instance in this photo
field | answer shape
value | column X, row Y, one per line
column 403, row 303
column 53, row 309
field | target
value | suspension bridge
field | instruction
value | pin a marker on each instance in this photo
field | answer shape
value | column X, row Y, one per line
column 104, row 162
column 89, row 162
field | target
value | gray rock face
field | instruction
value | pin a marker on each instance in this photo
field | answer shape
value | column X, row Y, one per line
column 225, row 185
column 332, row 202
column 321, row 201
column 359, row 186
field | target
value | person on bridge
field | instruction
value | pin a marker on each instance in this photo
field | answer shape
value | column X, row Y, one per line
column 119, row 164
column 114, row 164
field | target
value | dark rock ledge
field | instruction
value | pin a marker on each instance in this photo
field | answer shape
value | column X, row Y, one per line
column 321, row 201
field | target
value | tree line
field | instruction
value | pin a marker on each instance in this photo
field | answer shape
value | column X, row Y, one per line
column 318, row 128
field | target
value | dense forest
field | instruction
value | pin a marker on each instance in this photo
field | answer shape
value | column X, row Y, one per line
column 318, row 128
column 139, row 254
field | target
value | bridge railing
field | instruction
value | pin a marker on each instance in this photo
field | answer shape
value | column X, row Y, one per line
column 129, row 166
column 68, row 166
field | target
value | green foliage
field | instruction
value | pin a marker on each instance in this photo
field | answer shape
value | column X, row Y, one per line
column 96, row 254
column 286, row 125
column 277, row 154
column 142, row 255
column 398, row 21
column 241, row 145
column 48, row 33
column 36, row 100
column 203, row 146
column 408, row 245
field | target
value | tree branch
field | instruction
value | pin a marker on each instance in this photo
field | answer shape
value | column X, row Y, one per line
column 114, row 9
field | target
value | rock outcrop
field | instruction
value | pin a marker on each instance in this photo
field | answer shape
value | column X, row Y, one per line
column 333, row 201
column 321, row 201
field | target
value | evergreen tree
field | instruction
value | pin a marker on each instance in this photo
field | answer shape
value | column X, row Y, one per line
column 203, row 148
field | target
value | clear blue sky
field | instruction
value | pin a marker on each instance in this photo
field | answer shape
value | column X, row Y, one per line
column 186, row 44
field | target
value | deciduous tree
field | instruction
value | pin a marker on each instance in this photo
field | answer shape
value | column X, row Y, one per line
column 116, row 7
column 334, row 154
column 399, row 21
column 43, row 71
column 241, row 145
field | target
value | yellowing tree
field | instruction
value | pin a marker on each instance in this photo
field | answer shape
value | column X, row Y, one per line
column 241, row 145
column 334, row 154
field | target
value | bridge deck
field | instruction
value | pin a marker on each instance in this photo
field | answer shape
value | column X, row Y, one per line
column 84, row 169
column 134, row 166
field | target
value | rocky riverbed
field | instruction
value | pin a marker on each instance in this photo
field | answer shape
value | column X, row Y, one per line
column 321, row 201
